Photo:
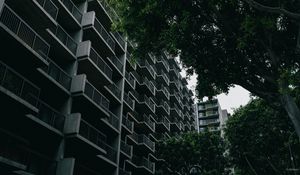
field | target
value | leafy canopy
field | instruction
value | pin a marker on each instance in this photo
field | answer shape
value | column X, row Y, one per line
column 225, row 42
column 201, row 150
column 258, row 140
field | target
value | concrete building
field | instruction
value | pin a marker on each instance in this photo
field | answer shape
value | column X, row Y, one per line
column 73, row 102
column 210, row 115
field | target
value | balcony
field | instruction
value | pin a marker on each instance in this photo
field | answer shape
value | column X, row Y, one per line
column 174, row 84
column 69, row 15
column 93, row 65
column 141, row 163
column 42, row 13
column 210, row 114
column 120, row 39
column 128, row 101
column 163, row 108
column 162, row 92
column 142, row 141
column 160, row 136
column 117, row 64
column 174, row 125
column 146, row 69
column 187, row 127
column 174, row 71
column 18, row 35
column 83, row 136
column 111, row 123
column 58, row 78
column 174, row 97
column 88, row 99
column 123, row 172
column 63, row 44
column 145, row 85
column 131, row 63
column 174, row 111
column 16, row 91
column 146, row 104
column 126, row 149
column 111, row 155
column 152, row 58
column 114, row 93
column 97, row 33
column 162, row 124
column 48, row 118
column 130, row 80
column 162, row 64
column 127, row 124
column 209, row 122
column 104, row 10
column 162, row 77
column 143, row 122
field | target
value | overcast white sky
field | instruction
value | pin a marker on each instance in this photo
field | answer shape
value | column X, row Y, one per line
column 236, row 97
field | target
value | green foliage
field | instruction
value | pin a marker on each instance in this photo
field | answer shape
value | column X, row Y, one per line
column 204, row 150
column 225, row 42
column 259, row 137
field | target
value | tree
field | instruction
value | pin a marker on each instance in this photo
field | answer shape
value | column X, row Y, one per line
column 259, row 138
column 203, row 151
column 226, row 42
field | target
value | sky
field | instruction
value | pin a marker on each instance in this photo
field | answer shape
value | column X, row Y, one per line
column 236, row 97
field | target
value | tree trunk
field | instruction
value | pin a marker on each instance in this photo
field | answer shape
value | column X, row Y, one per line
column 293, row 111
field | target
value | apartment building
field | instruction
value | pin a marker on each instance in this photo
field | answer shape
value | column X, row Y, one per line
column 72, row 100
column 210, row 115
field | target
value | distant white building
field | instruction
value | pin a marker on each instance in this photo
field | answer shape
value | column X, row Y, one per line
column 210, row 115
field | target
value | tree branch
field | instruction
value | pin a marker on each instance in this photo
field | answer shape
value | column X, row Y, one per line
column 250, row 165
column 277, row 10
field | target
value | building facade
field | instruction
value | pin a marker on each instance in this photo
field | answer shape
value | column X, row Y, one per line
column 210, row 116
column 73, row 101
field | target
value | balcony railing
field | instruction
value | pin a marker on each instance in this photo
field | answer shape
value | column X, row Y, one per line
column 166, row 106
column 117, row 62
column 97, row 59
column 16, row 25
column 141, row 161
column 50, row 7
column 104, row 34
column 128, row 100
column 161, row 59
column 130, row 78
column 14, row 153
column 119, row 38
column 149, row 84
column 50, row 116
column 113, row 120
column 116, row 90
column 123, row 172
column 111, row 153
column 144, row 139
column 144, row 63
column 110, row 11
column 96, row 96
column 163, row 120
column 73, row 9
column 131, row 61
column 15, row 83
column 127, row 149
column 58, row 75
column 65, row 38
column 148, row 101
column 175, row 69
column 92, row 134
column 148, row 121
column 165, row 77
column 127, row 123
